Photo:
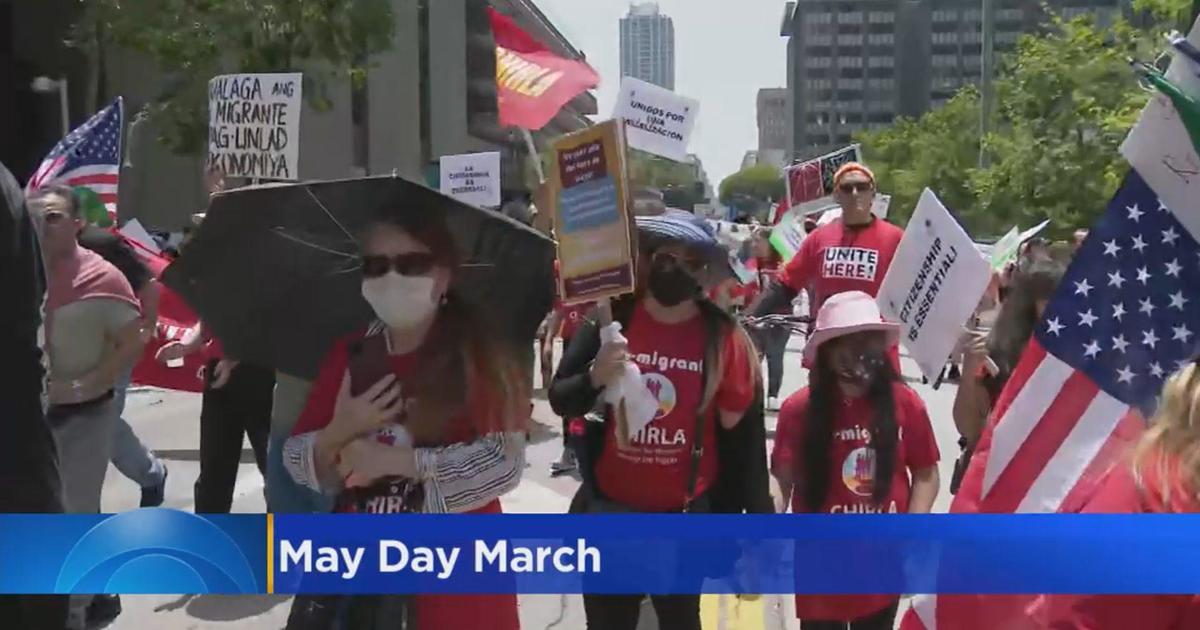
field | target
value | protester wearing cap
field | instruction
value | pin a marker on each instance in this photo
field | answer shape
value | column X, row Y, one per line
column 857, row 440
column 850, row 254
column 704, row 450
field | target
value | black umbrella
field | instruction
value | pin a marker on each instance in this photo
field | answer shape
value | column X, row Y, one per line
column 274, row 272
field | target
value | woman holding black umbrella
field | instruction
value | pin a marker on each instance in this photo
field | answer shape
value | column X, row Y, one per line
column 705, row 448
column 425, row 411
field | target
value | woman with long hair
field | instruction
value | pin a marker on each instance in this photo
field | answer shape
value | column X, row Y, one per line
column 989, row 360
column 1162, row 476
column 704, row 450
column 425, row 411
column 857, row 440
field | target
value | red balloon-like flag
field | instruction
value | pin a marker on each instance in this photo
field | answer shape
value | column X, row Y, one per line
column 174, row 320
column 532, row 83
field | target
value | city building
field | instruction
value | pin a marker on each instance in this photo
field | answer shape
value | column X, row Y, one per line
column 409, row 113
column 858, row 64
column 773, row 126
column 648, row 45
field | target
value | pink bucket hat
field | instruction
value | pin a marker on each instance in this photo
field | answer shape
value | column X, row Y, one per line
column 845, row 314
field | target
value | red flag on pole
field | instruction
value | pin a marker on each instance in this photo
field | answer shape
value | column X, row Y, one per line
column 174, row 320
column 532, row 83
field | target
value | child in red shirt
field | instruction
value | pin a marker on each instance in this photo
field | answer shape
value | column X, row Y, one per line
column 855, row 441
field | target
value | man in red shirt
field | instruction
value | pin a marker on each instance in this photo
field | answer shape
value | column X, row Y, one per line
column 850, row 254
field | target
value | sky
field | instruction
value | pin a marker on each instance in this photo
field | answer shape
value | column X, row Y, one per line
column 724, row 52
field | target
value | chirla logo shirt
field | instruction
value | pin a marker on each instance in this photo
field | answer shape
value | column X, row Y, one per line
column 651, row 473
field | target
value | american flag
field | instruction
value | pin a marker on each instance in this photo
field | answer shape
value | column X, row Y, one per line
column 90, row 156
column 1126, row 316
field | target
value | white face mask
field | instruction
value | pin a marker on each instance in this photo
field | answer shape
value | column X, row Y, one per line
column 400, row 301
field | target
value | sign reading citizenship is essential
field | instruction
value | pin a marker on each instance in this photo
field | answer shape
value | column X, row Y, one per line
column 935, row 283
column 592, row 214
column 254, row 125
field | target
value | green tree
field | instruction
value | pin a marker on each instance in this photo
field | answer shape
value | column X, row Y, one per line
column 932, row 151
column 1065, row 99
column 193, row 40
column 762, row 182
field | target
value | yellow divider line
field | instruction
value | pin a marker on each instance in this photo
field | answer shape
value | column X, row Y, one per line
column 270, row 553
column 730, row 612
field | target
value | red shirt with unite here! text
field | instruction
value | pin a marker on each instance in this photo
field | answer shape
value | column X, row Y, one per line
column 835, row 258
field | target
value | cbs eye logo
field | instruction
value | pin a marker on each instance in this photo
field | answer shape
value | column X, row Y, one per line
column 156, row 551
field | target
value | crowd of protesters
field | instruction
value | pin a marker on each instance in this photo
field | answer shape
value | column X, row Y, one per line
column 424, row 412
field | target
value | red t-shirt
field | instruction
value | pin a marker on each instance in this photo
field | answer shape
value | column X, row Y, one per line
column 852, row 477
column 651, row 474
column 572, row 319
column 835, row 258
column 1121, row 493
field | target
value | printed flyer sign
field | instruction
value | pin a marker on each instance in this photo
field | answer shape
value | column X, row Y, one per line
column 935, row 282
column 254, row 125
column 472, row 178
column 657, row 120
column 592, row 214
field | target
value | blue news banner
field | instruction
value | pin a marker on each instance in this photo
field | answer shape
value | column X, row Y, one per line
column 167, row 551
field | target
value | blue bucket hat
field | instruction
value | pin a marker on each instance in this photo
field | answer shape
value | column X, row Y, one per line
column 681, row 227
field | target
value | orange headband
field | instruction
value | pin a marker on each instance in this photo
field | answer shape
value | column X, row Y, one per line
column 851, row 167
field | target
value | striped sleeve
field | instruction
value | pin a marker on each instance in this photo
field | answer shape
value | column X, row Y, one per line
column 465, row 477
column 300, row 460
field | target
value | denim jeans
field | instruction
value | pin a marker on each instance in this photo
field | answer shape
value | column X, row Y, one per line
column 129, row 455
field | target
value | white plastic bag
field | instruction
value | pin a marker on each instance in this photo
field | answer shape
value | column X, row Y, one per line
column 640, row 404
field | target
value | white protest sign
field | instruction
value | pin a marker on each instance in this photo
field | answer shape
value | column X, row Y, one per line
column 133, row 229
column 254, row 125
column 936, row 280
column 657, row 120
column 1160, row 149
column 880, row 206
column 472, row 178
column 1034, row 231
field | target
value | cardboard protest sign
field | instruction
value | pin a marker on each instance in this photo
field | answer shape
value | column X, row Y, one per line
column 254, row 125
column 811, row 180
column 657, row 120
column 934, row 284
column 592, row 214
column 472, row 178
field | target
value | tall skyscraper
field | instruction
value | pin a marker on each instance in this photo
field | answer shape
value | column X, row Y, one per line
column 858, row 64
column 648, row 45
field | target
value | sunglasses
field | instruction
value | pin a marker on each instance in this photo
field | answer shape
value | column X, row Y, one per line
column 852, row 188
column 670, row 260
column 417, row 264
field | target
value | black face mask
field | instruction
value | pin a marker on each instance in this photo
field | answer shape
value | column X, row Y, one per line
column 672, row 286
